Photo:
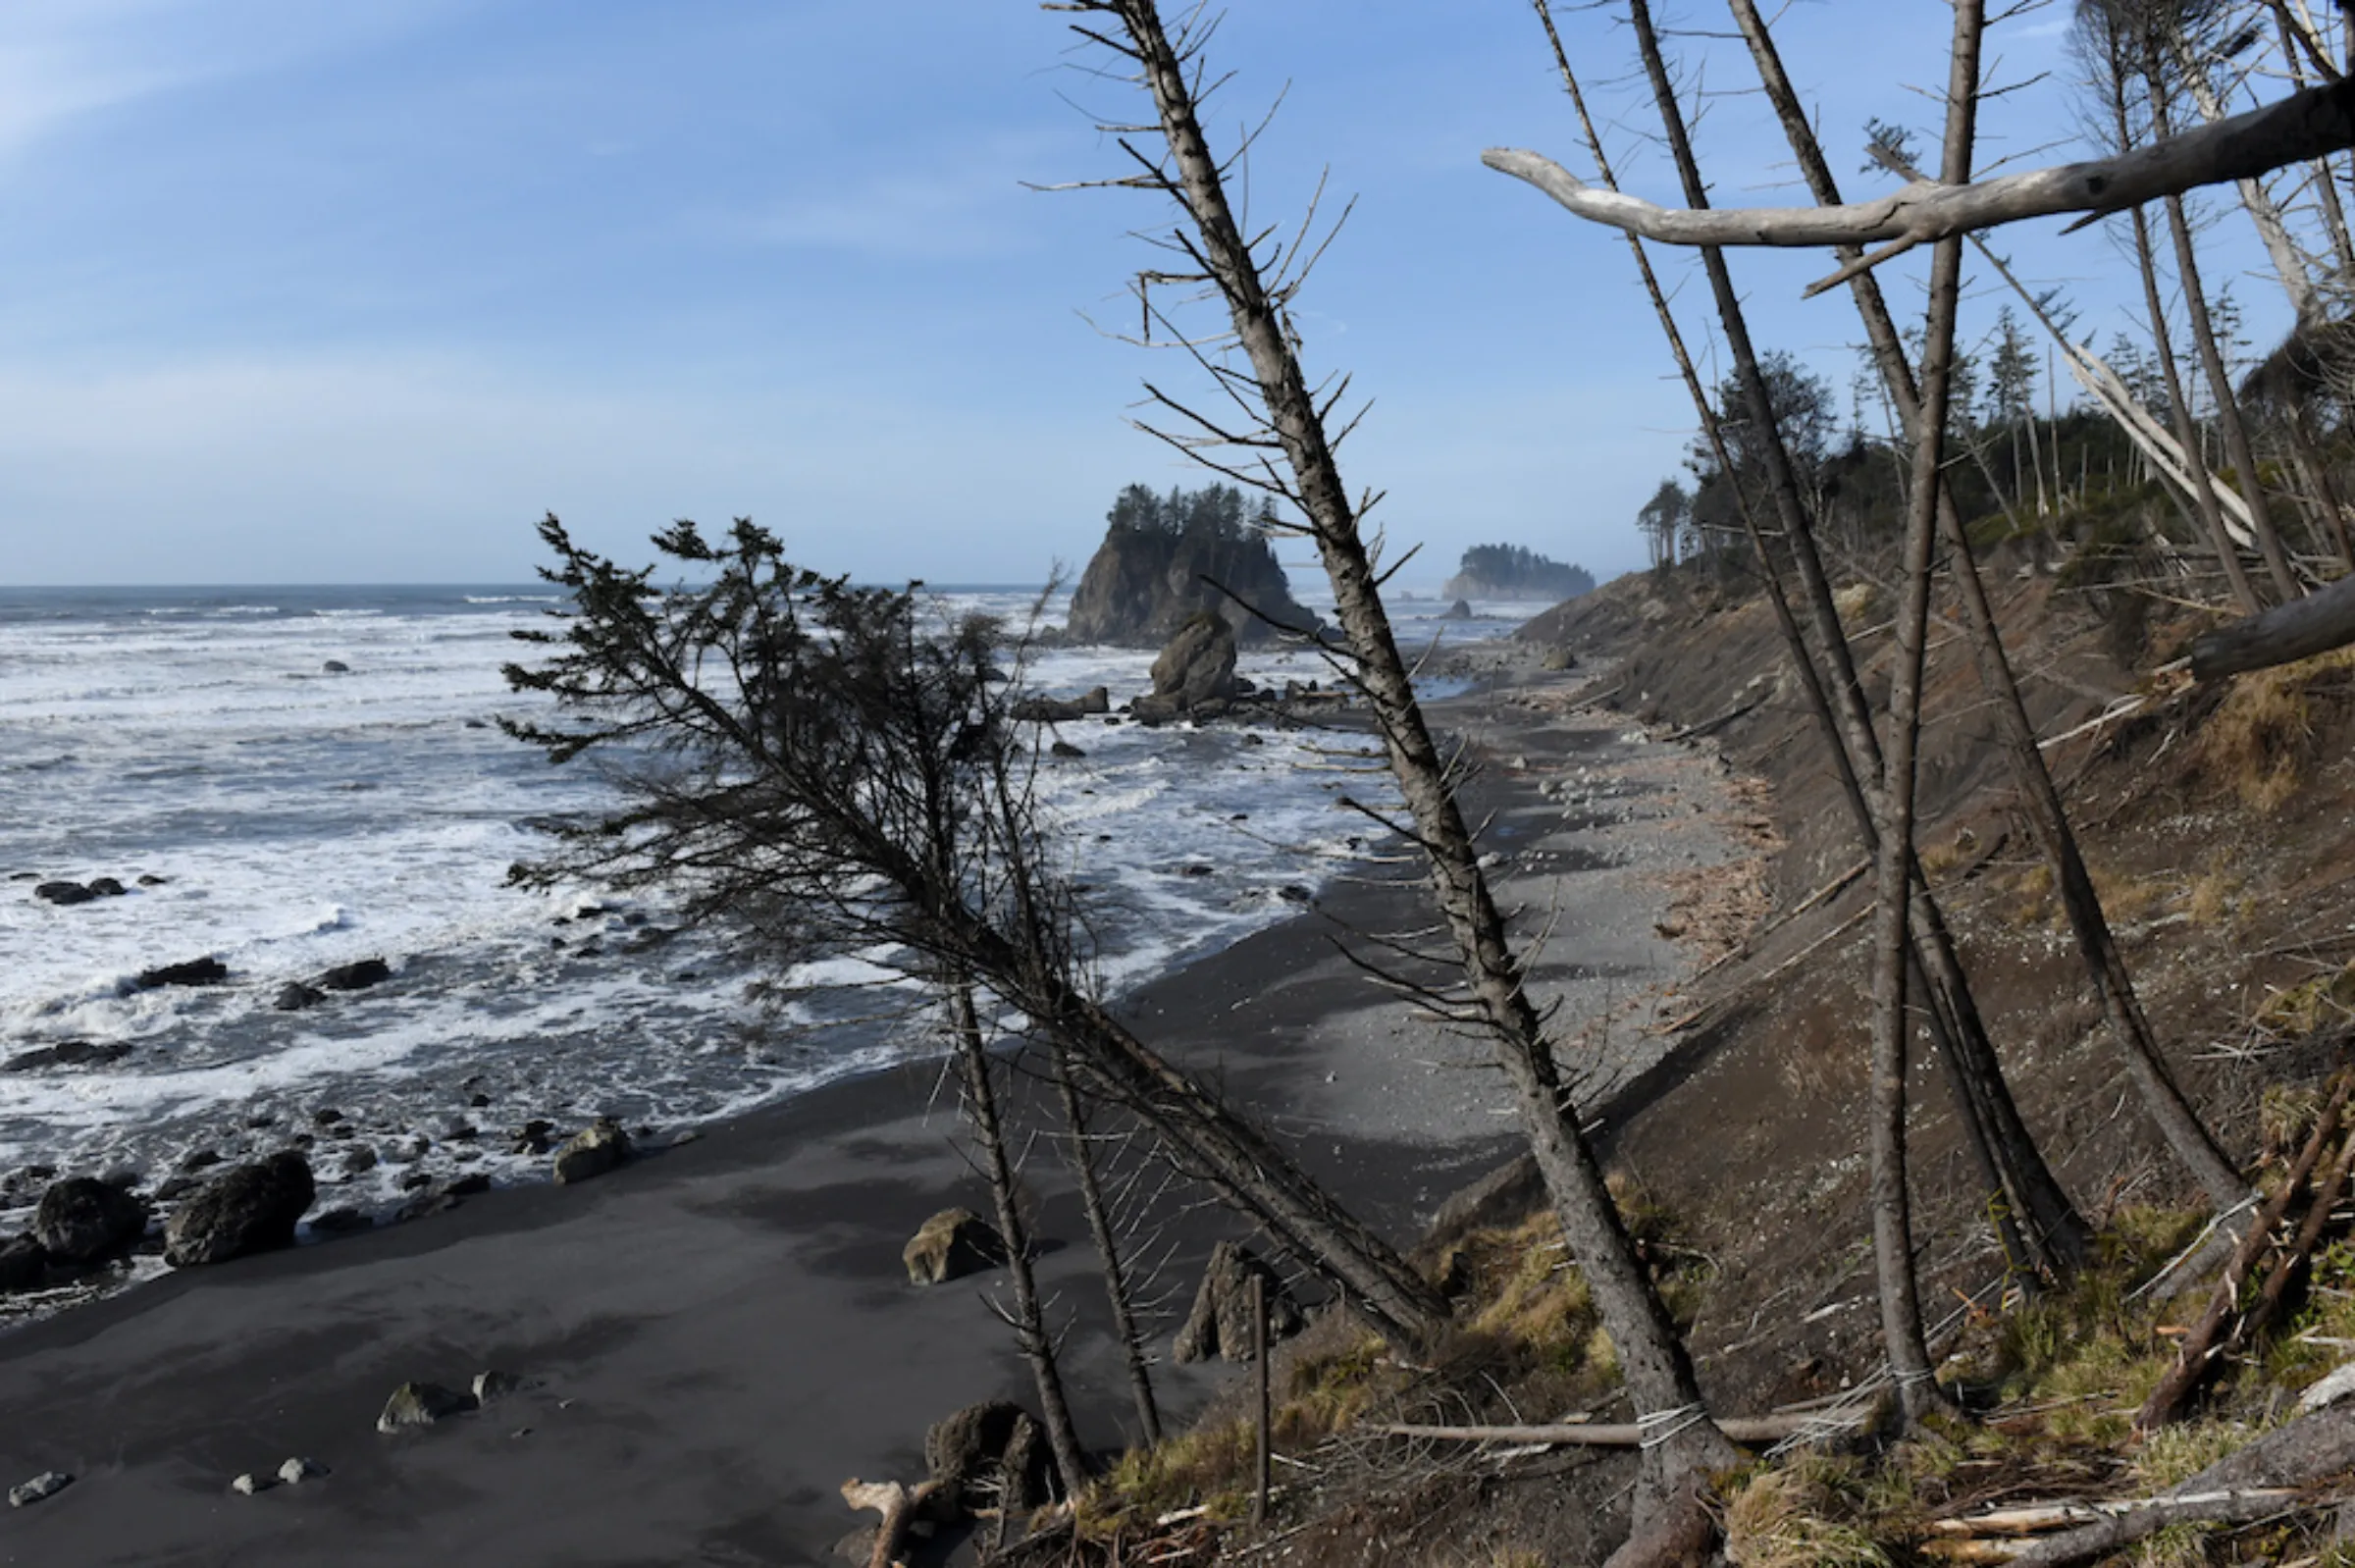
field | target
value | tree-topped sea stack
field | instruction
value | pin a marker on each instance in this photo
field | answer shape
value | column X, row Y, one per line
column 1165, row 557
column 1515, row 571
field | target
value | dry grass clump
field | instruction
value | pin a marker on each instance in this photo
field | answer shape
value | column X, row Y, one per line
column 1856, row 603
column 2258, row 741
column 2327, row 1001
column 1803, row 1514
column 1211, row 1465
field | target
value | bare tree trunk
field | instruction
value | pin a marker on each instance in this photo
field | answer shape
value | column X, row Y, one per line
column 2003, row 1206
column 2315, row 468
column 1117, row 1288
column 1902, row 1331
column 2264, row 215
column 2053, row 1222
column 2211, row 360
column 1028, row 1317
column 2163, row 1099
column 1657, row 1372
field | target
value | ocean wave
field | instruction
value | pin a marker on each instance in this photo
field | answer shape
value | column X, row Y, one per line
column 514, row 599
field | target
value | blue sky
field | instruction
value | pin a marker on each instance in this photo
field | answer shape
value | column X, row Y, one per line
column 300, row 292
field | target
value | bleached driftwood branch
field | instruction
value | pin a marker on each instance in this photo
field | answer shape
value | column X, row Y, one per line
column 1627, row 1434
column 2303, row 126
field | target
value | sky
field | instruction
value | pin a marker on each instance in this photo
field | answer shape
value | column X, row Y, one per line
column 356, row 293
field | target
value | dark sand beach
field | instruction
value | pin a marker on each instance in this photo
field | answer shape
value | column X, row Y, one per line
column 722, row 1333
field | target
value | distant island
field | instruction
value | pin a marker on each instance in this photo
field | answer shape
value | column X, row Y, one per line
column 1515, row 571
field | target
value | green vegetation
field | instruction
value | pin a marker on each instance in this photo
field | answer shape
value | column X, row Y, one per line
column 1515, row 570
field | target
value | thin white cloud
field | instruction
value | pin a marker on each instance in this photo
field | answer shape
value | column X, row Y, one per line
column 68, row 61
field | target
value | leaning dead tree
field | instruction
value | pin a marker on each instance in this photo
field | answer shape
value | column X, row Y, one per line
column 2038, row 1228
column 1276, row 432
column 2186, row 1136
column 787, row 747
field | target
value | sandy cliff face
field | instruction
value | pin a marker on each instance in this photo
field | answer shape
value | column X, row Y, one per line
column 1143, row 583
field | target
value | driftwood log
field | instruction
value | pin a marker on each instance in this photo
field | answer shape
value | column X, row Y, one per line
column 2303, row 126
column 898, row 1504
column 2300, row 629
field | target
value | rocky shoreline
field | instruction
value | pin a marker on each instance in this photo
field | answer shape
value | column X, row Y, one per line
column 722, row 1331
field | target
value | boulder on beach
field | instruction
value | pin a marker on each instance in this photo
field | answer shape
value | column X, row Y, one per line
column 48, row 1484
column 24, row 1266
column 420, row 1404
column 1460, row 610
column 952, row 1243
column 249, row 1208
column 994, row 1450
column 82, row 1220
column 195, row 972
column 356, row 976
column 1220, row 1324
column 600, row 1147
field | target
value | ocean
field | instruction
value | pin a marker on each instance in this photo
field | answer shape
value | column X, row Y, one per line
column 290, row 779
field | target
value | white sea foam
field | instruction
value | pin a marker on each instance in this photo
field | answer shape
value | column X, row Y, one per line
column 295, row 818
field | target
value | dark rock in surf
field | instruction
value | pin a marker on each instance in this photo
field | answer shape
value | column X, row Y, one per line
column 1220, row 1324
column 63, row 894
column 1194, row 672
column 335, row 666
column 952, row 1243
column 67, row 1054
column 340, row 1222
column 106, row 887
column 601, row 1148
column 195, row 972
column 251, row 1208
column 356, row 976
column 1460, row 610
column 1065, row 749
column 294, row 996
column 82, row 1220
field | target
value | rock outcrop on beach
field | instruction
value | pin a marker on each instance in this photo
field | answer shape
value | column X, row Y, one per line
column 420, row 1404
column 996, row 1450
column 1164, row 558
column 1220, row 1324
column 83, row 1219
column 600, row 1147
column 249, row 1208
column 952, row 1243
